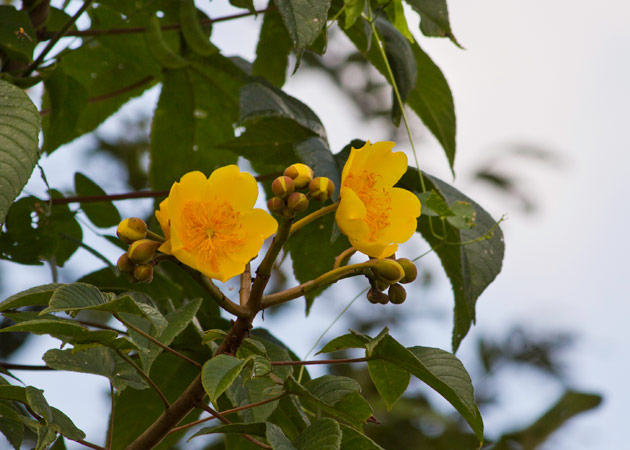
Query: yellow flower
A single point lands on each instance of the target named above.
(374, 215)
(211, 225)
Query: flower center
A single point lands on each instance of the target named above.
(370, 190)
(211, 231)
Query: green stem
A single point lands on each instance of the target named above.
(110, 433)
(318, 283)
(56, 38)
(263, 272)
(313, 216)
(156, 342)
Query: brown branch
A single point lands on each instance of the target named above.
(100, 98)
(219, 297)
(246, 286)
(110, 433)
(193, 395)
(323, 361)
(220, 417)
(88, 444)
(156, 342)
(10, 366)
(132, 30)
(228, 411)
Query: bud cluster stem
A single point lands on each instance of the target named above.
(313, 216)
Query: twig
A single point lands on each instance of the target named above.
(101, 326)
(313, 216)
(11, 366)
(144, 375)
(110, 433)
(176, 26)
(228, 411)
(56, 38)
(220, 417)
(215, 293)
(323, 361)
(346, 254)
(246, 286)
(156, 342)
(88, 444)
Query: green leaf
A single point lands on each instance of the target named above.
(197, 109)
(19, 130)
(67, 100)
(433, 18)
(11, 426)
(252, 391)
(442, 371)
(303, 20)
(272, 52)
(15, 393)
(470, 267)
(16, 45)
(247, 4)
(82, 296)
(434, 205)
(276, 351)
(219, 373)
(35, 399)
(277, 439)
(569, 405)
(46, 434)
(98, 361)
(430, 98)
(464, 215)
(255, 428)
(35, 296)
(354, 9)
(390, 380)
(325, 434)
(290, 417)
(65, 426)
(102, 214)
(315, 153)
(352, 439)
(136, 410)
(344, 342)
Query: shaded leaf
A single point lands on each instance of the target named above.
(16, 45)
(35, 399)
(11, 426)
(352, 439)
(470, 267)
(276, 437)
(255, 428)
(390, 380)
(219, 373)
(272, 52)
(65, 426)
(19, 152)
(290, 417)
(344, 342)
(102, 214)
(35, 296)
(324, 434)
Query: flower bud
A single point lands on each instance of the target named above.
(321, 189)
(142, 251)
(297, 202)
(411, 271)
(388, 270)
(283, 186)
(380, 285)
(300, 173)
(276, 205)
(375, 296)
(397, 294)
(131, 230)
(124, 264)
(143, 273)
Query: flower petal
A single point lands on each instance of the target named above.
(237, 188)
(403, 222)
(375, 249)
(378, 158)
(350, 215)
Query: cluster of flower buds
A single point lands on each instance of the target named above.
(138, 261)
(388, 276)
(288, 201)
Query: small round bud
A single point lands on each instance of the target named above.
(124, 264)
(297, 202)
(300, 173)
(397, 294)
(283, 186)
(388, 270)
(131, 230)
(142, 251)
(143, 273)
(375, 296)
(276, 205)
(381, 285)
(321, 188)
(411, 271)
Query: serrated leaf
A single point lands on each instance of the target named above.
(430, 98)
(82, 296)
(243, 393)
(16, 44)
(272, 52)
(19, 152)
(197, 109)
(219, 373)
(303, 20)
(277, 439)
(471, 267)
(35, 296)
(390, 380)
(343, 342)
(324, 434)
(98, 361)
(102, 214)
(433, 18)
(442, 371)
(352, 439)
